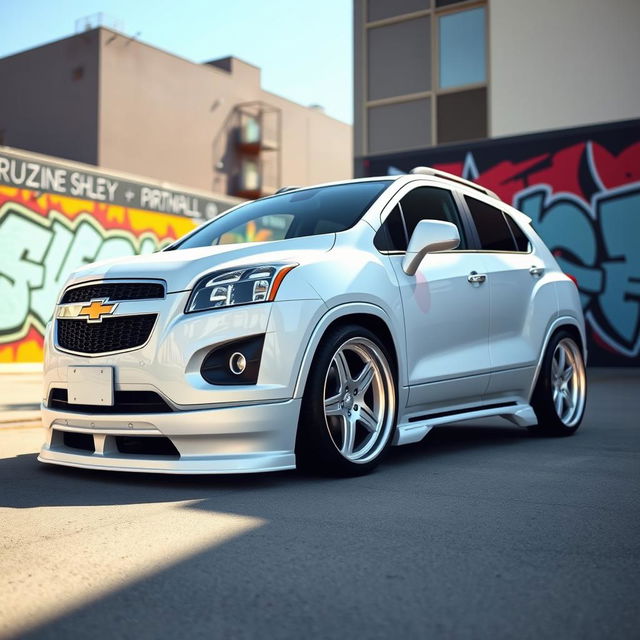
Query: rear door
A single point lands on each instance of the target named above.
(514, 275)
(446, 315)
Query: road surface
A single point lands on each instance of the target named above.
(479, 531)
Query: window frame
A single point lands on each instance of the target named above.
(466, 223)
(463, 202)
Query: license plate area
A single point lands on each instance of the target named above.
(90, 385)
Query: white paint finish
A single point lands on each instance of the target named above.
(562, 64)
(429, 236)
(518, 300)
(459, 344)
(409, 432)
(447, 321)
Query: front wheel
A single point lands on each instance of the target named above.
(560, 395)
(349, 404)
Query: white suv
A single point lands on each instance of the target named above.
(359, 315)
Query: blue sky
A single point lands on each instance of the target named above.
(304, 48)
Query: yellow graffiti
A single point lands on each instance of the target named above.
(43, 239)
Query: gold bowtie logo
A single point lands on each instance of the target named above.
(95, 311)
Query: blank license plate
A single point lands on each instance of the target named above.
(90, 385)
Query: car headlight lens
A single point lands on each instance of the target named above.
(232, 287)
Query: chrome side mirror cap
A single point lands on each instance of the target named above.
(429, 236)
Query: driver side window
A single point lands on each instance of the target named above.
(422, 203)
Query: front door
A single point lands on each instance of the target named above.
(446, 309)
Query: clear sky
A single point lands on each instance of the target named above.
(303, 47)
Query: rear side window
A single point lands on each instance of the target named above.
(492, 226)
(522, 242)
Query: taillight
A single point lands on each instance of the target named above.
(572, 278)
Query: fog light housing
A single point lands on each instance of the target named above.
(237, 363)
(234, 363)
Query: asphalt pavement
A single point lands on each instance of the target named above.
(480, 531)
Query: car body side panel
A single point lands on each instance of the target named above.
(447, 327)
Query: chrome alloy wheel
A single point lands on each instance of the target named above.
(568, 382)
(359, 400)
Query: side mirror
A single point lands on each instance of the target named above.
(427, 237)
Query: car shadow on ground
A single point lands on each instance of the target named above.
(443, 540)
(77, 487)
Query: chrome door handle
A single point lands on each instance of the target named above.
(476, 278)
(536, 271)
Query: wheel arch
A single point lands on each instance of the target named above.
(367, 315)
(564, 323)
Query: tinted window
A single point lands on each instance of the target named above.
(430, 203)
(492, 227)
(522, 242)
(294, 214)
(392, 236)
(423, 203)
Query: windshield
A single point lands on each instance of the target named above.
(307, 212)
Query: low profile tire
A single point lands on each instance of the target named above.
(349, 405)
(560, 395)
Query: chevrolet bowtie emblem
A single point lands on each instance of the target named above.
(95, 311)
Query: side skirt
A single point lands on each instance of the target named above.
(416, 429)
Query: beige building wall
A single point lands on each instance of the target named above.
(562, 63)
(49, 100)
(103, 98)
(164, 117)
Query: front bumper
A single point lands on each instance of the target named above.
(211, 428)
(240, 439)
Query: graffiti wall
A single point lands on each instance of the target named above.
(45, 233)
(581, 188)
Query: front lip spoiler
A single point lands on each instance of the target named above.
(239, 439)
(213, 465)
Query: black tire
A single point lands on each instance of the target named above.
(320, 438)
(548, 392)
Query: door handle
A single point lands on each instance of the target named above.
(476, 278)
(536, 271)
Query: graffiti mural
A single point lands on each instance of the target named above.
(581, 189)
(56, 216)
(45, 237)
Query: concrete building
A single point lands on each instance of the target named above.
(103, 98)
(434, 72)
(540, 102)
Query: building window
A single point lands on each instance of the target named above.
(462, 47)
(425, 73)
(405, 125)
(390, 52)
(250, 175)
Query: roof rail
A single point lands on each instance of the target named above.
(284, 189)
(429, 171)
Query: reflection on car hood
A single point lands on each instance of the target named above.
(181, 268)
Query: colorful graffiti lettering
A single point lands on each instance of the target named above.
(45, 237)
(581, 190)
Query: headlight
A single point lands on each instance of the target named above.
(242, 285)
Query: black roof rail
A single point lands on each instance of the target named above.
(285, 189)
(430, 171)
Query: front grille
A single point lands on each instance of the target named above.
(112, 334)
(114, 291)
(127, 402)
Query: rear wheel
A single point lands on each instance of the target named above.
(560, 395)
(349, 405)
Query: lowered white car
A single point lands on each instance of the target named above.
(316, 327)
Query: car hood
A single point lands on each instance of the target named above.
(181, 268)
